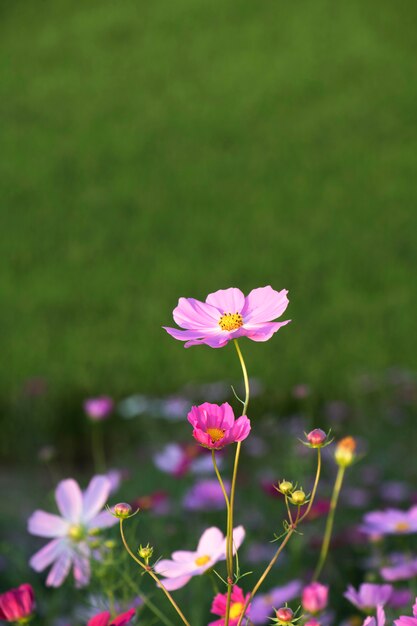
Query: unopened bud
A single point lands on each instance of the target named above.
(285, 487)
(145, 552)
(316, 438)
(284, 615)
(298, 497)
(345, 452)
(122, 510)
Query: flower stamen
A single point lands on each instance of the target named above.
(215, 434)
(231, 321)
(202, 560)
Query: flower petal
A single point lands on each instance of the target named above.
(103, 520)
(95, 497)
(262, 332)
(241, 428)
(46, 555)
(193, 314)
(264, 304)
(102, 619)
(124, 618)
(175, 583)
(69, 500)
(209, 541)
(43, 524)
(59, 570)
(216, 340)
(81, 569)
(229, 300)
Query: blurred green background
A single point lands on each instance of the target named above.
(171, 148)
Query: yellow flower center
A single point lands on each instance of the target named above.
(76, 532)
(402, 527)
(236, 610)
(231, 321)
(215, 434)
(202, 560)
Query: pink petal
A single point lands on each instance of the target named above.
(229, 300)
(46, 555)
(59, 570)
(217, 340)
(264, 305)
(262, 332)
(102, 619)
(183, 556)
(205, 440)
(175, 583)
(184, 335)
(43, 524)
(69, 500)
(124, 618)
(210, 541)
(173, 569)
(238, 537)
(193, 314)
(103, 520)
(81, 569)
(241, 428)
(95, 497)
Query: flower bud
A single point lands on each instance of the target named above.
(312, 622)
(345, 452)
(298, 497)
(316, 438)
(122, 510)
(284, 615)
(145, 552)
(285, 487)
(314, 597)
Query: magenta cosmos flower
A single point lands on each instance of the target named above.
(314, 597)
(98, 409)
(215, 426)
(227, 314)
(379, 620)
(237, 605)
(80, 513)
(17, 604)
(185, 564)
(390, 522)
(104, 619)
(405, 620)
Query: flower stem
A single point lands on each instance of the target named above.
(229, 536)
(329, 523)
(152, 574)
(292, 528)
(226, 499)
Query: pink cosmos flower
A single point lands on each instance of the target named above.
(405, 620)
(262, 604)
(17, 604)
(237, 605)
(80, 512)
(215, 426)
(206, 495)
(227, 314)
(369, 595)
(314, 597)
(400, 567)
(104, 619)
(391, 522)
(184, 564)
(98, 409)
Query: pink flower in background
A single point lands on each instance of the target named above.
(17, 604)
(262, 605)
(399, 567)
(314, 597)
(185, 564)
(215, 426)
(227, 314)
(390, 522)
(174, 459)
(405, 620)
(238, 600)
(104, 619)
(98, 409)
(206, 495)
(368, 595)
(80, 512)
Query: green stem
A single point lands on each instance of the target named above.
(229, 537)
(316, 482)
(152, 574)
(146, 600)
(329, 523)
(226, 498)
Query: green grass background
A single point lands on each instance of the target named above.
(157, 149)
